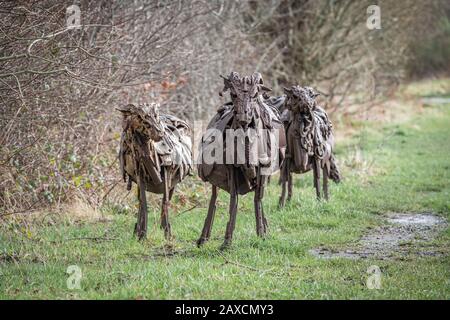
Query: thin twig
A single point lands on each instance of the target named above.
(243, 265)
(190, 209)
(88, 238)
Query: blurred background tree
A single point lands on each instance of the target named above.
(431, 55)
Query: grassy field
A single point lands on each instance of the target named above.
(388, 167)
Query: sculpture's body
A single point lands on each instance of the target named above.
(155, 153)
(247, 112)
(310, 141)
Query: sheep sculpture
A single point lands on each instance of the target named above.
(155, 153)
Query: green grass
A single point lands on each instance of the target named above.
(394, 168)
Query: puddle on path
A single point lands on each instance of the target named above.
(403, 234)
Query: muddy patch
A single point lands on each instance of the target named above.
(403, 234)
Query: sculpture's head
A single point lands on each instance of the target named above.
(143, 119)
(299, 99)
(244, 92)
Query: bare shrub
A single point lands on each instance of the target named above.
(59, 87)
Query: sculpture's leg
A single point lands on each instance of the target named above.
(264, 220)
(282, 201)
(233, 211)
(316, 170)
(135, 232)
(206, 232)
(265, 223)
(290, 182)
(141, 227)
(284, 180)
(171, 192)
(258, 206)
(325, 182)
(165, 225)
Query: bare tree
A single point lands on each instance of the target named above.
(59, 85)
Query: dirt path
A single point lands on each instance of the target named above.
(403, 234)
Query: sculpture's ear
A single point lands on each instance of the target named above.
(264, 88)
(257, 78)
(288, 91)
(156, 108)
(312, 93)
(126, 109)
(226, 85)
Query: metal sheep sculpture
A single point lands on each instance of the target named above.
(247, 111)
(310, 140)
(155, 153)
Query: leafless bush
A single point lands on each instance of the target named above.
(59, 87)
